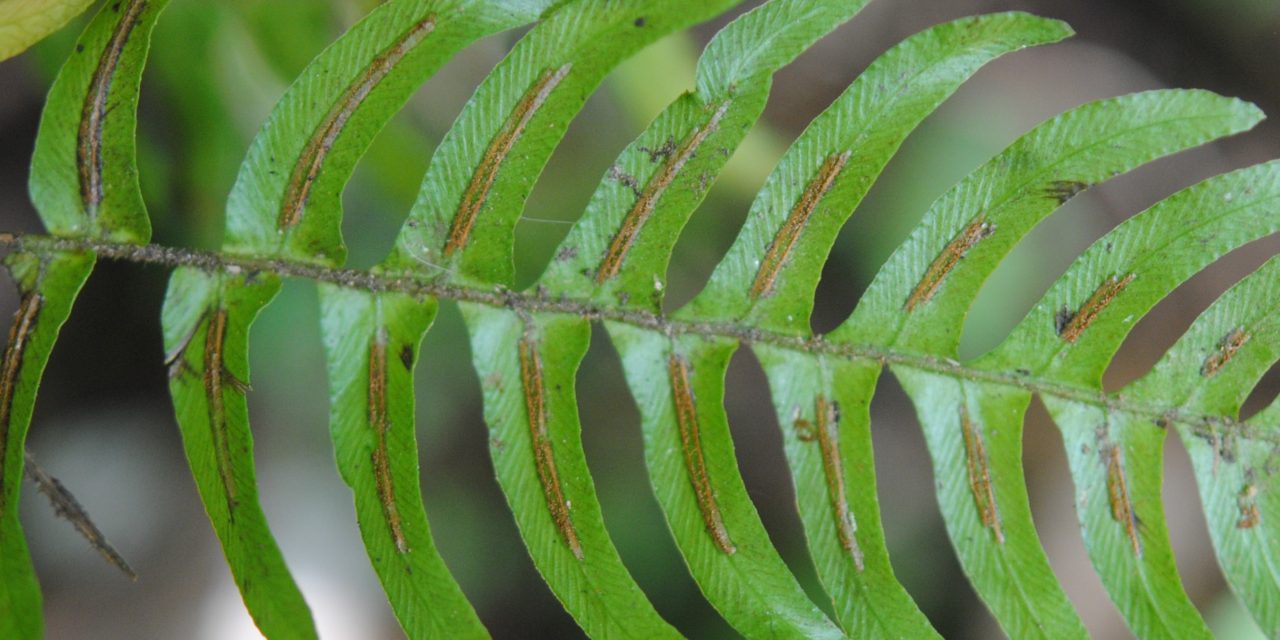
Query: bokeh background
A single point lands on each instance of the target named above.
(104, 425)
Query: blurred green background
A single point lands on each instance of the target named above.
(104, 425)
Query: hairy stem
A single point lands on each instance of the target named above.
(538, 302)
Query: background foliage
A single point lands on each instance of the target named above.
(216, 70)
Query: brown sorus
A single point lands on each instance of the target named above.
(486, 173)
(543, 456)
(787, 236)
(691, 445)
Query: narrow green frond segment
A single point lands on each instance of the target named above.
(1210, 372)
(462, 225)
(678, 384)
(206, 322)
(1074, 331)
(1117, 466)
(26, 22)
(371, 346)
(620, 248)
(772, 269)
(974, 434)
(824, 409)
(527, 367)
(48, 286)
(287, 199)
(920, 297)
(84, 175)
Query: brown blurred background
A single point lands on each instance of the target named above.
(104, 425)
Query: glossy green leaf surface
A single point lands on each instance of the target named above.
(371, 397)
(823, 406)
(620, 247)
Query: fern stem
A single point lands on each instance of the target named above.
(539, 302)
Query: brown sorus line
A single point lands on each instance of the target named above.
(780, 249)
(947, 260)
(1118, 496)
(543, 457)
(1089, 311)
(975, 455)
(652, 193)
(93, 113)
(312, 158)
(24, 323)
(1227, 349)
(486, 172)
(694, 462)
(827, 416)
(214, 383)
(380, 423)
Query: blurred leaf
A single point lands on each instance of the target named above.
(26, 22)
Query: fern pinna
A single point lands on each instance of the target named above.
(283, 220)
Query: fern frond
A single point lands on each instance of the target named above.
(284, 219)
